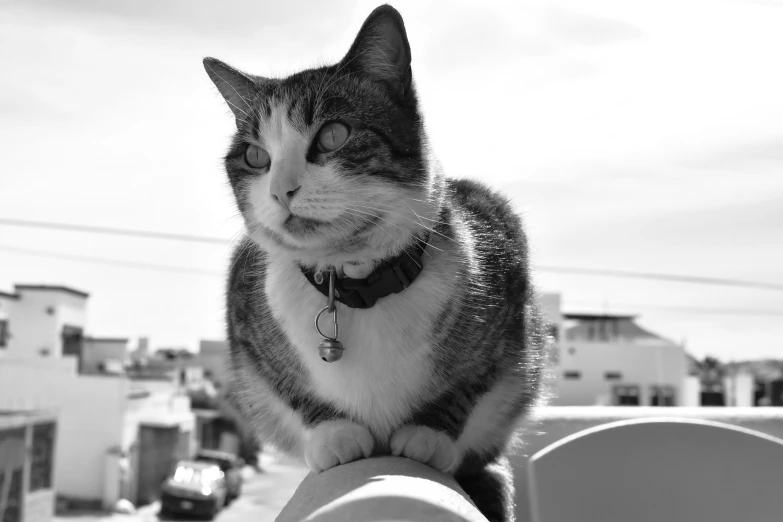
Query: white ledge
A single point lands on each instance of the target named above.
(382, 489)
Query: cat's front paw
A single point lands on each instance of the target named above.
(428, 446)
(337, 442)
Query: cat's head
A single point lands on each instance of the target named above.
(330, 164)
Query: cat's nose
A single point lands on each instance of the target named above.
(283, 190)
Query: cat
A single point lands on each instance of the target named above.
(443, 342)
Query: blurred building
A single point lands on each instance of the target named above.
(45, 320)
(212, 356)
(104, 355)
(26, 466)
(608, 359)
(117, 435)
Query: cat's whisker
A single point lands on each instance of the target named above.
(427, 243)
(399, 243)
(432, 230)
(392, 208)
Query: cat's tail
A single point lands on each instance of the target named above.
(491, 488)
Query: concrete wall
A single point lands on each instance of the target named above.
(90, 414)
(643, 365)
(34, 383)
(91, 422)
(553, 423)
(39, 506)
(33, 328)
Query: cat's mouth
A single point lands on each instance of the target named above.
(301, 225)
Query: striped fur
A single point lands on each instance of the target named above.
(441, 372)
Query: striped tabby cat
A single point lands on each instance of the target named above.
(331, 169)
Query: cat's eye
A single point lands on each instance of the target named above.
(256, 157)
(332, 136)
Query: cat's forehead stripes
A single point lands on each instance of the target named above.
(284, 110)
(283, 130)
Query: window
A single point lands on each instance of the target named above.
(3, 333)
(11, 443)
(572, 375)
(662, 395)
(613, 376)
(42, 456)
(590, 332)
(626, 395)
(73, 343)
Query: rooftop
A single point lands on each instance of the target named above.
(51, 288)
(594, 316)
(609, 328)
(106, 339)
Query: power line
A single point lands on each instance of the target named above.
(676, 278)
(113, 231)
(198, 271)
(662, 277)
(112, 262)
(679, 309)
(188, 270)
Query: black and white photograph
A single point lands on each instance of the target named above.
(355, 261)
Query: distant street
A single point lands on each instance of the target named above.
(263, 496)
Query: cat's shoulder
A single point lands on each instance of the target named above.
(484, 203)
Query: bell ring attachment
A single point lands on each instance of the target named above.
(330, 350)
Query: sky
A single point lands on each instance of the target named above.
(641, 136)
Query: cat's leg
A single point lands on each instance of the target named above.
(426, 445)
(336, 442)
(490, 485)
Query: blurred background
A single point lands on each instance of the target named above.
(642, 142)
(633, 137)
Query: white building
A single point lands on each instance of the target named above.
(606, 359)
(116, 437)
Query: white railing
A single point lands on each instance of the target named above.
(380, 489)
(387, 488)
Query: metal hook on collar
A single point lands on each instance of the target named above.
(330, 349)
(334, 321)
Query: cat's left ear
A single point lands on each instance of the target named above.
(381, 49)
(237, 88)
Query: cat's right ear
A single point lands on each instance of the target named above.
(381, 50)
(237, 88)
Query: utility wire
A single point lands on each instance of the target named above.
(662, 277)
(113, 231)
(198, 271)
(113, 262)
(678, 309)
(677, 278)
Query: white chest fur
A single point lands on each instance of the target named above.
(387, 363)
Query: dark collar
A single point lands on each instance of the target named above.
(390, 277)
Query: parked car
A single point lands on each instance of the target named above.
(195, 488)
(230, 465)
